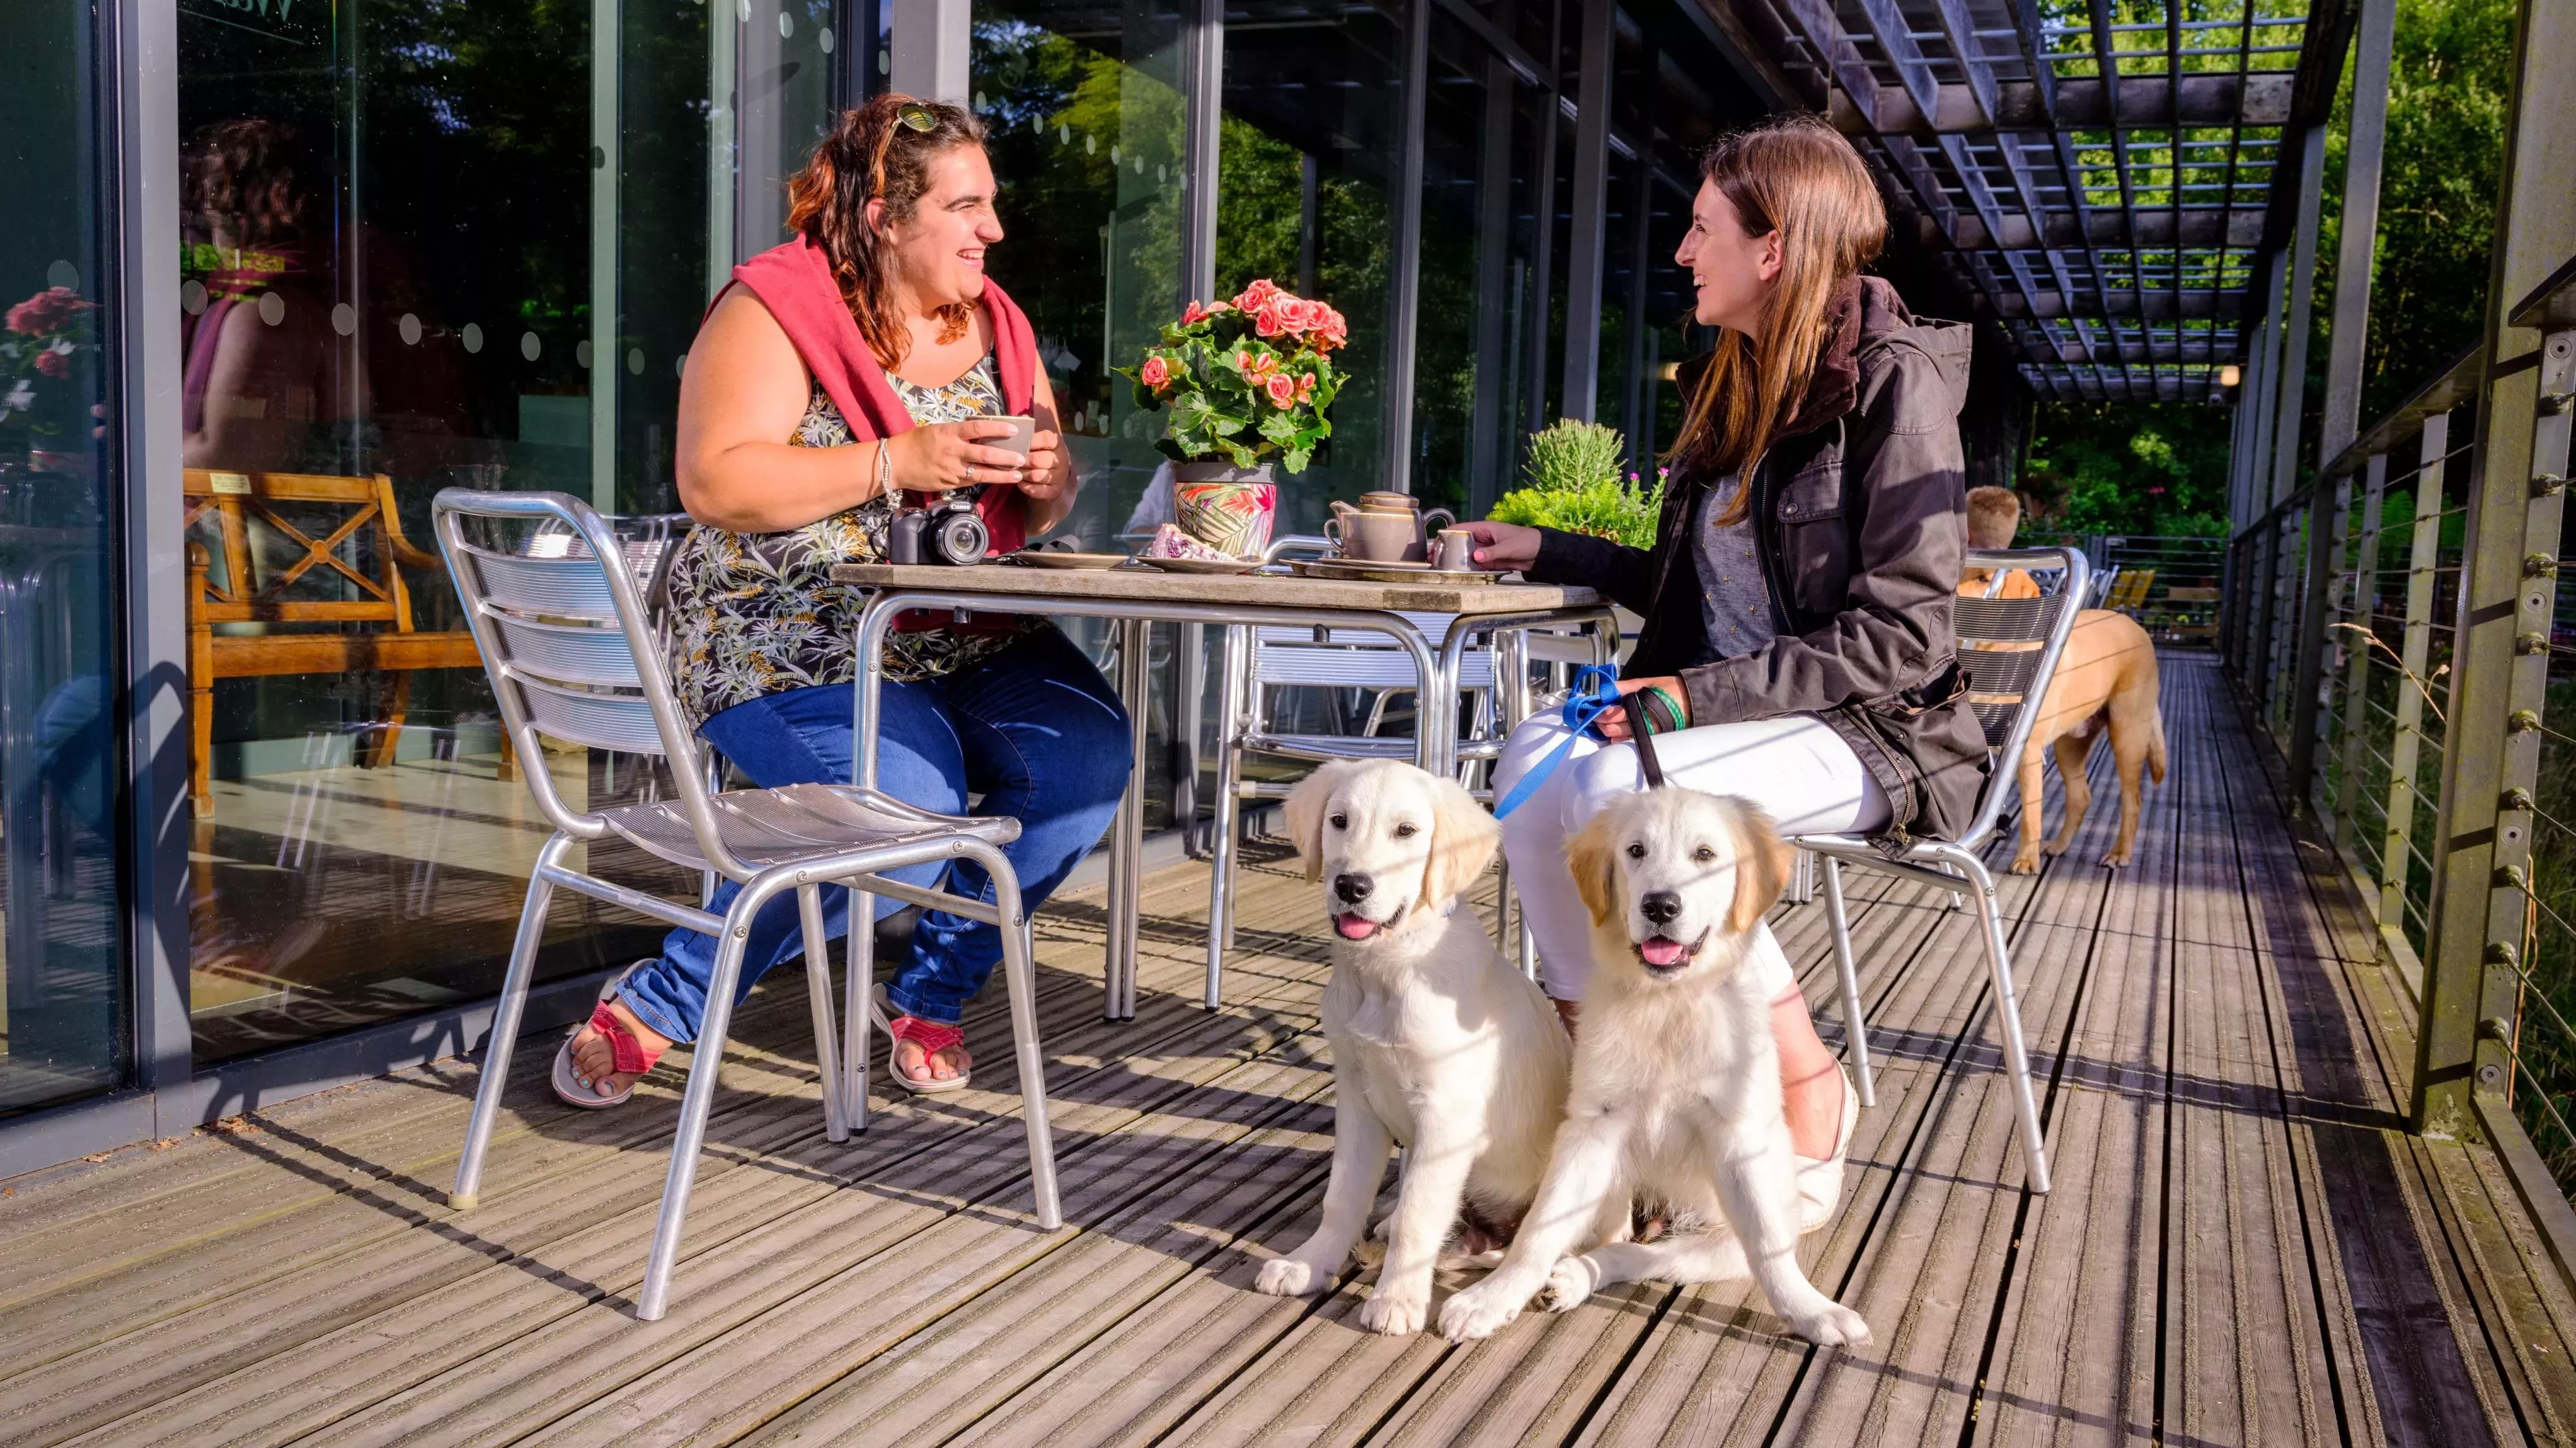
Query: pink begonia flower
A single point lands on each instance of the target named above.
(1156, 372)
(54, 364)
(1268, 321)
(1283, 393)
(47, 311)
(1194, 313)
(1306, 385)
(1256, 294)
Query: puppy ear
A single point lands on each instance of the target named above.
(1306, 804)
(1463, 841)
(1594, 860)
(1762, 865)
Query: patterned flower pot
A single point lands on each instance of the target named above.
(1227, 508)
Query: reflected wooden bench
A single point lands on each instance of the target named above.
(349, 576)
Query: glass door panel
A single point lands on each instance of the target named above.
(62, 964)
(388, 260)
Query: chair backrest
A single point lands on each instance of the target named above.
(1358, 658)
(2009, 648)
(571, 648)
(350, 570)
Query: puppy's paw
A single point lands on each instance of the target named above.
(1477, 1312)
(1570, 1284)
(2025, 862)
(1829, 1324)
(1369, 1252)
(1290, 1277)
(2115, 859)
(1397, 1313)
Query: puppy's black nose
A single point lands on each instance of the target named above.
(1661, 906)
(1352, 889)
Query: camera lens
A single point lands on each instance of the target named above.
(961, 538)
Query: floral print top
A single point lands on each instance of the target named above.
(757, 613)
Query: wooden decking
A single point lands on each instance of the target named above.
(2242, 1246)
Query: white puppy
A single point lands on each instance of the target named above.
(1676, 1095)
(1438, 1045)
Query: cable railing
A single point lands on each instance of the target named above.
(2404, 633)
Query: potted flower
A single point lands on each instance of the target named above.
(1573, 483)
(45, 334)
(1248, 382)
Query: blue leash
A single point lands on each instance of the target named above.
(1596, 692)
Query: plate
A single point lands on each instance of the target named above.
(1354, 571)
(1060, 558)
(1202, 565)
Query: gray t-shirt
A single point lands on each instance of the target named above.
(1734, 602)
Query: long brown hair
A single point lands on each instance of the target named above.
(880, 151)
(1797, 176)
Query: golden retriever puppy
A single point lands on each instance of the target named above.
(1439, 1046)
(1676, 1093)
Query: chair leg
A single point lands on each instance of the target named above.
(1019, 980)
(697, 1101)
(1229, 808)
(859, 979)
(818, 998)
(1855, 1025)
(2007, 1016)
(505, 1028)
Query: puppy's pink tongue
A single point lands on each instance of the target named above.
(1656, 950)
(1353, 927)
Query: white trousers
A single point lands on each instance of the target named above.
(1796, 768)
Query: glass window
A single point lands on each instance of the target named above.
(1083, 107)
(1306, 158)
(62, 963)
(1483, 127)
(388, 252)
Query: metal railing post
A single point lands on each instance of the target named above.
(2362, 611)
(2329, 516)
(2414, 656)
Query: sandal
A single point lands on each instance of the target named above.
(628, 1055)
(1820, 1182)
(931, 1036)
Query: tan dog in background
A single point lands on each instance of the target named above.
(2106, 676)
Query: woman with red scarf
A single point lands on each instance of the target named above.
(862, 363)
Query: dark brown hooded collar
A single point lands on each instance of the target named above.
(1835, 384)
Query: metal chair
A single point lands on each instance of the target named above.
(2009, 648)
(572, 654)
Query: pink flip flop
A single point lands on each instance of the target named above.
(628, 1056)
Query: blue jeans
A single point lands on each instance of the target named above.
(1035, 730)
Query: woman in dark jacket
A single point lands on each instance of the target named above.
(1797, 599)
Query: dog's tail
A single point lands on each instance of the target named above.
(2156, 745)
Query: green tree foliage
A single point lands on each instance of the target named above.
(2115, 467)
(2161, 467)
(2448, 75)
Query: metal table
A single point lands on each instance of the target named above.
(1133, 599)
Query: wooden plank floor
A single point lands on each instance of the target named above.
(2242, 1245)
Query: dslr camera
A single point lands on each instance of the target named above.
(943, 531)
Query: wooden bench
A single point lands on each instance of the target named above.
(349, 576)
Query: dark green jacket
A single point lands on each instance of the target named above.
(1861, 506)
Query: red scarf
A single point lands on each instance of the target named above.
(794, 281)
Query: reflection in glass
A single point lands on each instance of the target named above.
(1083, 107)
(1306, 160)
(385, 256)
(62, 992)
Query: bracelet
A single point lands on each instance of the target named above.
(885, 468)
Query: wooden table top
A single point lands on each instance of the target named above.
(1153, 585)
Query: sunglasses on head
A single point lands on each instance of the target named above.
(917, 116)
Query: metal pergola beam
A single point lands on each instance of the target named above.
(2202, 99)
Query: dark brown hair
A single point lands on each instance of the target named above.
(873, 153)
(1795, 175)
